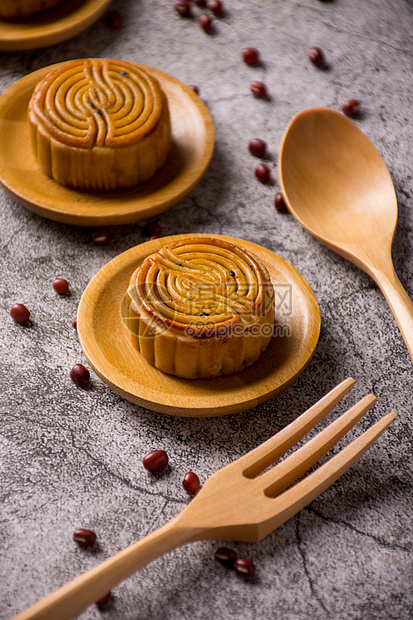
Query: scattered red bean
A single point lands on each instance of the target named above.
(262, 172)
(190, 482)
(114, 19)
(258, 89)
(280, 203)
(205, 22)
(200, 2)
(61, 286)
(216, 6)
(19, 313)
(250, 56)
(226, 556)
(183, 8)
(155, 460)
(257, 147)
(351, 107)
(194, 88)
(152, 228)
(316, 56)
(80, 375)
(102, 236)
(152, 237)
(104, 600)
(244, 567)
(83, 537)
(74, 323)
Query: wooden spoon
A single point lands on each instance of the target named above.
(337, 186)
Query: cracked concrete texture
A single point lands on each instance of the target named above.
(72, 457)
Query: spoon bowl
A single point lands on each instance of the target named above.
(338, 187)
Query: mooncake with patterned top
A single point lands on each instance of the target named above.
(100, 124)
(200, 308)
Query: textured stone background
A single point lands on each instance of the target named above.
(72, 457)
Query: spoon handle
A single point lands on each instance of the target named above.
(400, 303)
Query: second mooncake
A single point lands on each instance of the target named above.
(100, 124)
(201, 308)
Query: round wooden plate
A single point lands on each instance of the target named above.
(58, 24)
(193, 139)
(107, 344)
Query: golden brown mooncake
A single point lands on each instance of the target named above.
(99, 124)
(200, 308)
(13, 9)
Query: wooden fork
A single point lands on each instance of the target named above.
(238, 502)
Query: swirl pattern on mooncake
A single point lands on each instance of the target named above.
(201, 308)
(100, 124)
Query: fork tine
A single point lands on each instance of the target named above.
(294, 499)
(282, 475)
(265, 454)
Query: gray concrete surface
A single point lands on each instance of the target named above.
(72, 457)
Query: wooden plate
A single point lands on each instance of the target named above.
(107, 344)
(193, 144)
(59, 24)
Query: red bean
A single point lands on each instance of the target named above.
(19, 313)
(190, 483)
(152, 228)
(61, 286)
(80, 375)
(257, 147)
(351, 107)
(280, 203)
(262, 172)
(258, 89)
(250, 56)
(194, 88)
(83, 537)
(200, 2)
(226, 556)
(74, 323)
(183, 8)
(316, 56)
(244, 567)
(216, 6)
(102, 236)
(205, 22)
(155, 460)
(104, 600)
(114, 19)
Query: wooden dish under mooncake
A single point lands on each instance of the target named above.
(193, 139)
(67, 19)
(201, 308)
(100, 124)
(108, 347)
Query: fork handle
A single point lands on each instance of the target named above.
(72, 598)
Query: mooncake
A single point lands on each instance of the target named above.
(200, 308)
(100, 124)
(13, 9)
